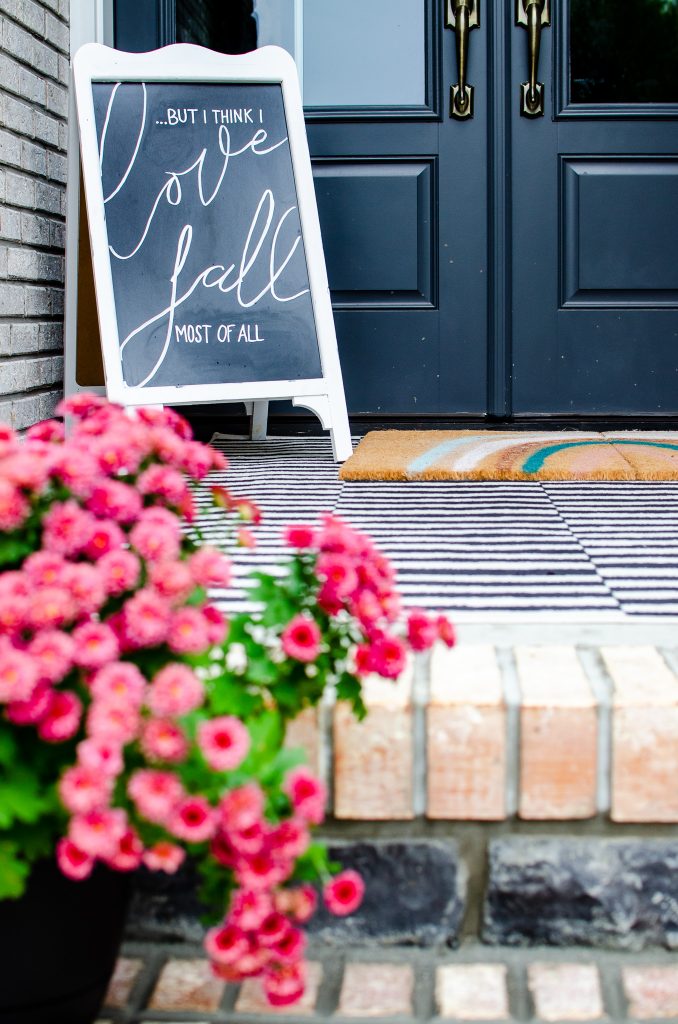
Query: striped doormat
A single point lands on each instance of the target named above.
(513, 455)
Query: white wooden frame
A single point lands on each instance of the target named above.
(192, 64)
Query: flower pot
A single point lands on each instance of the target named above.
(58, 946)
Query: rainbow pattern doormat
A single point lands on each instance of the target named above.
(513, 455)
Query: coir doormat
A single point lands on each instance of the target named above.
(513, 455)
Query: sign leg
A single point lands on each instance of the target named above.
(259, 421)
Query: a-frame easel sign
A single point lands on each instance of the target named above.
(208, 263)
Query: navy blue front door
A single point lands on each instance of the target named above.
(498, 265)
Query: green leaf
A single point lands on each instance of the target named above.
(14, 872)
(13, 548)
(229, 697)
(22, 798)
(350, 689)
(7, 745)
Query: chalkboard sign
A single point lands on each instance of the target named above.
(208, 266)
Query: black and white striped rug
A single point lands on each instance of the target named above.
(607, 551)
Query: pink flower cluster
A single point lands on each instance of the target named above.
(356, 578)
(260, 934)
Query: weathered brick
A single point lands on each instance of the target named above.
(33, 158)
(51, 335)
(19, 42)
(57, 234)
(20, 190)
(38, 301)
(376, 990)
(46, 128)
(124, 976)
(644, 735)
(45, 59)
(373, 759)
(559, 735)
(10, 224)
(13, 376)
(652, 991)
(57, 99)
(47, 197)
(17, 115)
(27, 12)
(35, 266)
(472, 992)
(10, 149)
(9, 73)
(12, 299)
(251, 998)
(56, 301)
(5, 339)
(4, 263)
(35, 230)
(25, 337)
(565, 991)
(57, 166)
(56, 32)
(466, 735)
(32, 87)
(187, 985)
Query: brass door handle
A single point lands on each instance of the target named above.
(532, 15)
(462, 16)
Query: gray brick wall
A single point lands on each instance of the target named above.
(34, 51)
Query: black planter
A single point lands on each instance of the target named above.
(58, 946)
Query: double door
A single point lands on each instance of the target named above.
(498, 193)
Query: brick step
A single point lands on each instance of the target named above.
(154, 983)
(485, 733)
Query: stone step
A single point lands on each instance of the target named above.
(545, 732)
(154, 983)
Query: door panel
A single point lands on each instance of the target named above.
(501, 265)
(595, 213)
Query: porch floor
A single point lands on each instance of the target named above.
(514, 553)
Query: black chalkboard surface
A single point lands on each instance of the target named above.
(208, 264)
(205, 243)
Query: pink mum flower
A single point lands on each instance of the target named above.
(82, 789)
(215, 622)
(104, 536)
(44, 568)
(193, 820)
(25, 469)
(389, 657)
(175, 690)
(164, 482)
(62, 719)
(113, 722)
(112, 499)
(100, 757)
(301, 638)
(210, 568)
(18, 674)
(146, 619)
(120, 571)
(290, 838)
(172, 580)
(307, 794)
(242, 807)
(52, 652)
(290, 947)
(119, 682)
(76, 468)
(446, 631)
(250, 909)
(422, 631)
(72, 861)
(95, 645)
(299, 902)
(226, 944)
(14, 506)
(188, 632)
(300, 536)
(164, 856)
(47, 430)
(86, 585)
(344, 893)
(98, 832)
(339, 574)
(285, 984)
(156, 794)
(224, 742)
(66, 528)
(272, 929)
(50, 607)
(261, 871)
(129, 853)
(33, 710)
(156, 537)
(163, 740)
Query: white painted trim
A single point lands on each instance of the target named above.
(187, 63)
